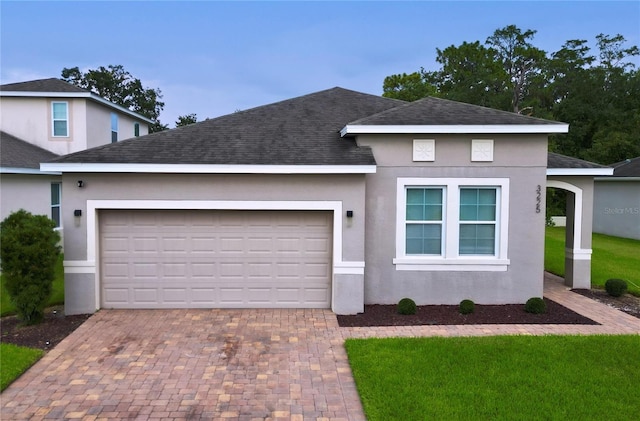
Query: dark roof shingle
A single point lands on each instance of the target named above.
(16, 153)
(556, 160)
(299, 131)
(42, 85)
(437, 111)
(627, 168)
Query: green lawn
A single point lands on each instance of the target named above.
(15, 360)
(498, 378)
(613, 257)
(57, 296)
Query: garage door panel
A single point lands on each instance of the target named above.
(181, 259)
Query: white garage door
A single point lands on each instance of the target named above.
(208, 259)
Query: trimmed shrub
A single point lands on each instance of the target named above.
(467, 307)
(615, 287)
(29, 252)
(407, 306)
(535, 305)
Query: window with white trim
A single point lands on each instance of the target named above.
(56, 192)
(60, 119)
(452, 224)
(114, 127)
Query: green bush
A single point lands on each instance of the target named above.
(535, 305)
(615, 287)
(467, 307)
(407, 306)
(29, 252)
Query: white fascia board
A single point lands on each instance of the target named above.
(456, 128)
(207, 169)
(88, 95)
(617, 178)
(33, 171)
(580, 171)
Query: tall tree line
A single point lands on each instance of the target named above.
(596, 92)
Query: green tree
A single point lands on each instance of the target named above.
(117, 85)
(29, 251)
(407, 87)
(185, 120)
(520, 60)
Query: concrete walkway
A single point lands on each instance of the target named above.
(230, 364)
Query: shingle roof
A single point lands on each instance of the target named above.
(556, 160)
(299, 131)
(437, 111)
(16, 153)
(41, 85)
(627, 168)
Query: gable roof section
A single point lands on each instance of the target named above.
(57, 88)
(558, 164)
(436, 115)
(18, 156)
(303, 131)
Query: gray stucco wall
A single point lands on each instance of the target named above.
(616, 208)
(521, 159)
(24, 191)
(347, 189)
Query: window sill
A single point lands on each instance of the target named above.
(464, 264)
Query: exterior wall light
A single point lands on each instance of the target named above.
(80, 184)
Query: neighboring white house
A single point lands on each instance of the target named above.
(42, 119)
(616, 201)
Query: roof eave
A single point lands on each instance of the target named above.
(30, 171)
(355, 129)
(205, 168)
(580, 171)
(88, 95)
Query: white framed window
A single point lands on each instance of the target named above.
(452, 224)
(60, 119)
(114, 127)
(56, 193)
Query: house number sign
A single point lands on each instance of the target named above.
(538, 198)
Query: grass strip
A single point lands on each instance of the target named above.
(613, 257)
(498, 378)
(15, 360)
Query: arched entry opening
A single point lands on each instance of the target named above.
(577, 260)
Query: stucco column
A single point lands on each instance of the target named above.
(579, 227)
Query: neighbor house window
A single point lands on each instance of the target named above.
(55, 203)
(114, 127)
(60, 119)
(136, 129)
(452, 224)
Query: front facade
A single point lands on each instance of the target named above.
(41, 119)
(334, 200)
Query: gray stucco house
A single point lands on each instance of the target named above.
(616, 203)
(334, 199)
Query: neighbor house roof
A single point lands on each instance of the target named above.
(303, 131)
(56, 88)
(627, 168)
(18, 156)
(558, 164)
(436, 115)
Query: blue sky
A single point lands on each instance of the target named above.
(213, 58)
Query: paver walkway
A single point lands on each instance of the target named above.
(230, 364)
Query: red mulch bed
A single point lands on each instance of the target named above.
(387, 315)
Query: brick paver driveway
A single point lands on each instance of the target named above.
(192, 364)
